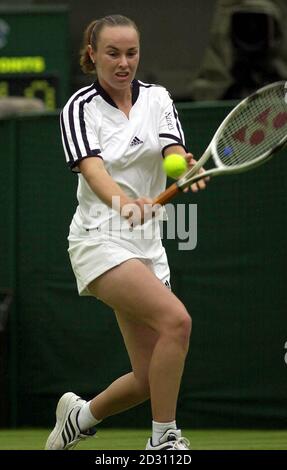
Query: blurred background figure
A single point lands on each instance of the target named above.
(19, 105)
(248, 49)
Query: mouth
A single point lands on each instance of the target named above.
(122, 75)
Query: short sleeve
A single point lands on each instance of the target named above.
(170, 130)
(78, 129)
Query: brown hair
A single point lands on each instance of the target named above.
(91, 36)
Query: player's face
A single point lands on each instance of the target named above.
(117, 56)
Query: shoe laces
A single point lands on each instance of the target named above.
(180, 443)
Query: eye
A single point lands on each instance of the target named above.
(132, 53)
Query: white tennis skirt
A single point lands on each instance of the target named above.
(92, 253)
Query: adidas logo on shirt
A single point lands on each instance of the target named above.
(135, 141)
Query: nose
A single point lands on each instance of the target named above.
(123, 61)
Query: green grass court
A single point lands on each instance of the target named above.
(123, 439)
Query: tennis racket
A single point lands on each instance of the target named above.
(251, 134)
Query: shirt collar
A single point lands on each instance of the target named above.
(108, 99)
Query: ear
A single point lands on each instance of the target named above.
(91, 53)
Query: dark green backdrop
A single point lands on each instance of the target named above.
(233, 283)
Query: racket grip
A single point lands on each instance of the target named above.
(166, 195)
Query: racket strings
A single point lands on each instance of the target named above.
(258, 126)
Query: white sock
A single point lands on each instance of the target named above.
(158, 429)
(86, 419)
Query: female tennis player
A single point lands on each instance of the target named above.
(115, 134)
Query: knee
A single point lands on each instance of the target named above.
(180, 327)
(183, 327)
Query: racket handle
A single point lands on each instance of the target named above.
(168, 194)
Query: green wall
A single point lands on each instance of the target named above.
(233, 284)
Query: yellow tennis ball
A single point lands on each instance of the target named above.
(174, 165)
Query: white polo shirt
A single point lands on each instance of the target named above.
(131, 148)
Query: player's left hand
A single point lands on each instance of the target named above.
(201, 184)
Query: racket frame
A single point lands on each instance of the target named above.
(190, 176)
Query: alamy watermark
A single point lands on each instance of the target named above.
(181, 225)
(172, 222)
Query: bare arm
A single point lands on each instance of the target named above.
(175, 149)
(102, 183)
(106, 189)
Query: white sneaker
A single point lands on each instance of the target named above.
(170, 440)
(66, 434)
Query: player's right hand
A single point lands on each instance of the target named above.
(138, 211)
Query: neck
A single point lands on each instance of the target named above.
(118, 96)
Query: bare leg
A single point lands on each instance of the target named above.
(122, 394)
(133, 388)
(143, 300)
